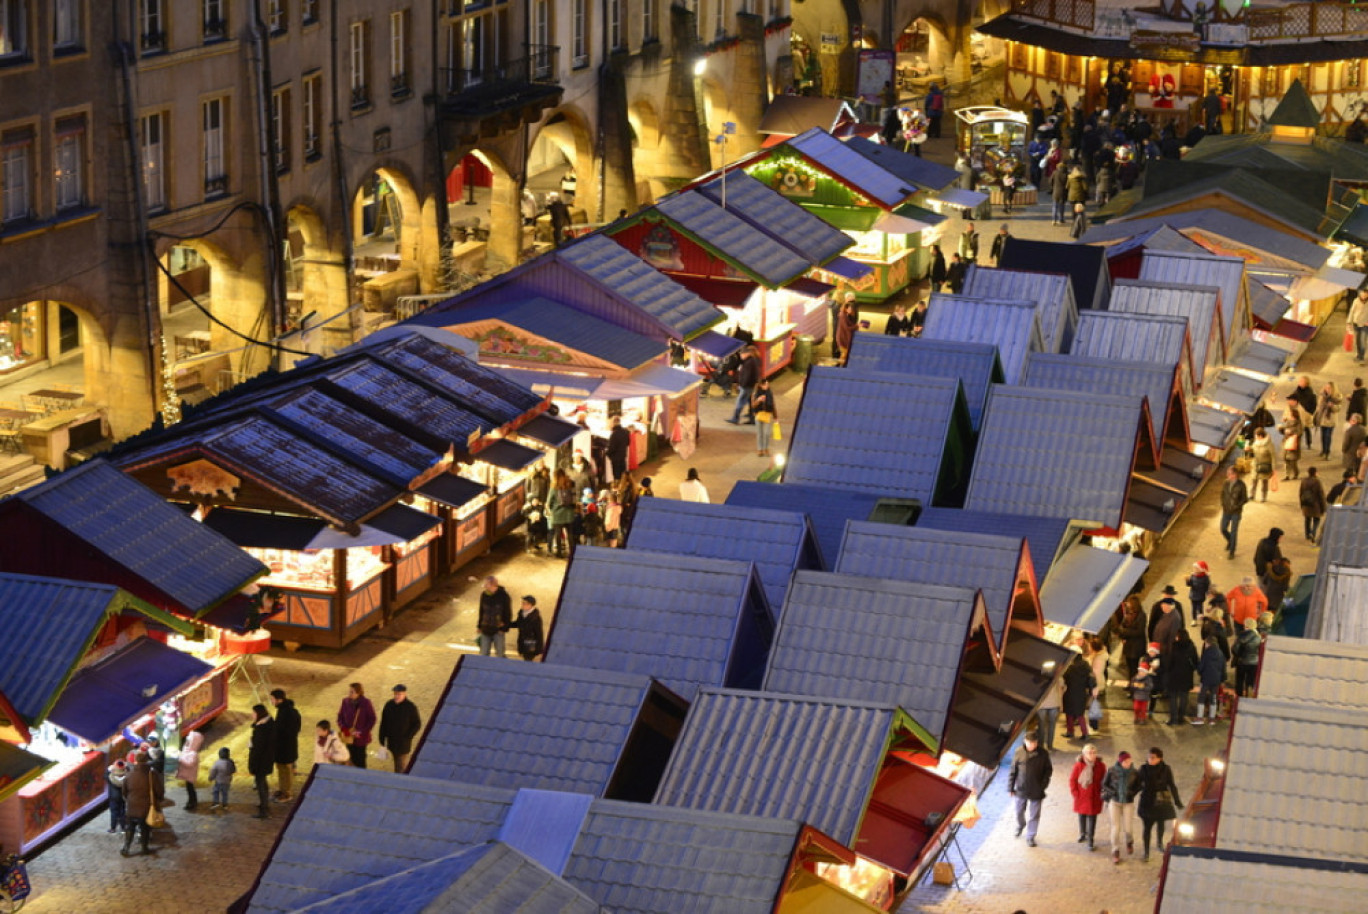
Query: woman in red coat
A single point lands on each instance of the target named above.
(1085, 783)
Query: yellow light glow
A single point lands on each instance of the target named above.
(700, 66)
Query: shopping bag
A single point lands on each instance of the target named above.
(1349, 340)
(381, 754)
(775, 432)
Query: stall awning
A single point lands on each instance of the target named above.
(812, 288)
(1324, 283)
(733, 293)
(648, 382)
(958, 196)
(551, 431)
(893, 224)
(506, 455)
(1237, 391)
(1086, 586)
(452, 491)
(897, 828)
(231, 614)
(1151, 507)
(1210, 426)
(717, 345)
(1294, 330)
(264, 531)
(565, 386)
(102, 699)
(17, 768)
(396, 524)
(1262, 358)
(846, 268)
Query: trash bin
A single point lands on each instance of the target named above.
(802, 354)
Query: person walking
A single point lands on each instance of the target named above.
(1027, 783)
(1246, 649)
(355, 721)
(328, 749)
(934, 106)
(1120, 787)
(1085, 784)
(1210, 674)
(1198, 585)
(748, 373)
(261, 757)
(494, 617)
(1291, 429)
(619, 444)
(1358, 323)
(1354, 435)
(999, 242)
(1179, 666)
(1047, 715)
(1312, 499)
(288, 725)
(1080, 221)
(1234, 496)
(1059, 194)
(400, 724)
(143, 790)
(969, 243)
(955, 276)
(187, 768)
(1266, 550)
(1078, 690)
(1305, 398)
(1159, 801)
(562, 505)
(531, 635)
(692, 488)
(765, 416)
(221, 776)
(1327, 409)
(115, 775)
(1276, 582)
(1261, 452)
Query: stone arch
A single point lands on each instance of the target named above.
(646, 148)
(567, 132)
(372, 219)
(502, 232)
(316, 279)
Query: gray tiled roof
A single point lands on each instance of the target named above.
(1051, 292)
(1085, 264)
(1227, 273)
(1057, 453)
(875, 432)
(1159, 236)
(1012, 326)
(827, 509)
(913, 169)
(1045, 536)
(948, 558)
(685, 621)
(884, 188)
(812, 237)
(1107, 376)
(862, 638)
(1343, 602)
(757, 252)
(976, 365)
(1221, 225)
(1297, 669)
(776, 541)
(120, 518)
(783, 756)
(486, 879)
(481, 387)
(1297, 771)
(354, 825)
(649, 859)
(1134, 338)
(1344, 541)
(1199, 305)
(569, 730)
(1204, 880)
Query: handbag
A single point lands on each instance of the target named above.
(764, 415)
(155, 817)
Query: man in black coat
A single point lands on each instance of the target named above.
(619, 443)
(261, 757)
(1177, 669)
(1306, 399)
(288, 725)
(399, 726)
(1267, 550)
(747, 376)
(495, 616)
(1031, 770)
(957, 273)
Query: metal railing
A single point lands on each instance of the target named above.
(1078, 14)
(1307, 20)
(539, 66)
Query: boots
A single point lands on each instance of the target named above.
(146, 839)
(192, 798)
(128, 842)
(262, 813)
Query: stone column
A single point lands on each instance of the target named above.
(749, 90)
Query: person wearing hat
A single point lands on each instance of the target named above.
(1166, 619)
(1030, 776)
(114, 779)
(531, 636)
(1198, 585)
(1142, 687)
(399, 726)
(1119, 790)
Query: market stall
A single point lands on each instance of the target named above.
(993, 142)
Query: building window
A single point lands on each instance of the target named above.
(280, 126)
(648, 20)
(472, 50)
(360, 64)
(154, 161)
(615, 25)
(69, 163)
(541, 38)
(16, 177)
(153, 27)
(309, 11)
(579, 34)
(720, 26)
(14, 16)
(313, 117)
(66, 25)
(215, 21)
(215, 166)
(399, 49)
(277, 17)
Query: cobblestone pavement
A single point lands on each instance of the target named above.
(203, 861)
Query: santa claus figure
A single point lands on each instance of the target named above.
(1162, 89)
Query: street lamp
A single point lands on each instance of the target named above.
(728, 129)
(700, 66)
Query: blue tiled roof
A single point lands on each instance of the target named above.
(486, 391)
(1051, 292)
(864, 638)
(776, 541)
(409, 402)
(770, 211)
(913, 169)
(976, 365)
(781, 756)
(686, 621)
(570, 727)
(1044, 535)
(134, 527)
(561, 324)
(1198, 305)
(883, 187)
(1011, 326)
(50, 623)
(827, 509)
(1133, 338)
(755, 251)
(1055, 453)
(1107, 376)
(877, 432)
(1226, 273)
(622, 273)
(946, 558)
(395, 456)
(486, 879)
(649, 859)
(354, 826)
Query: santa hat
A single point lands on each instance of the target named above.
(1201, 566)
(1154, 647)
(1144, 665)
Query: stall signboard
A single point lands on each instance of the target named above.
(1166, 45)
(876, 69)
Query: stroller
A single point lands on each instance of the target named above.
(721, 372)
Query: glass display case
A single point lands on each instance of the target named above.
(994, 140)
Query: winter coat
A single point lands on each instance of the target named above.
(222, 771)
(1078, 188)
(1030, 773)
(1247, 648)
(288, 725)
(1133, 635)
(531, 634)
(1078, 686)
(1059, 183)
(331, 752)
(1142, 687)
(187, 766)
(1087, 801)
(1180, 665)
(1153, 780)
(561, 504)
(1354, 435)
(1211, 668)
(1311, 497)
(356, 718)
(114, 781)
(748, 375)
(261, 748)
(142, 783)
(496, 609)
(399, 725)
(1198, 585)
(1157, 615)
(1216, 631)
(1264, 553)
(1327, 408)
(1246, 606)
(1121, 785)
(1261, 450)
(1234, 495)
(1276, 582)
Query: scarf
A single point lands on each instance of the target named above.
(1085, 778)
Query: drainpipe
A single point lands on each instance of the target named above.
(443, 251)
(600, 148)
(270, 188)
(339, 169)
